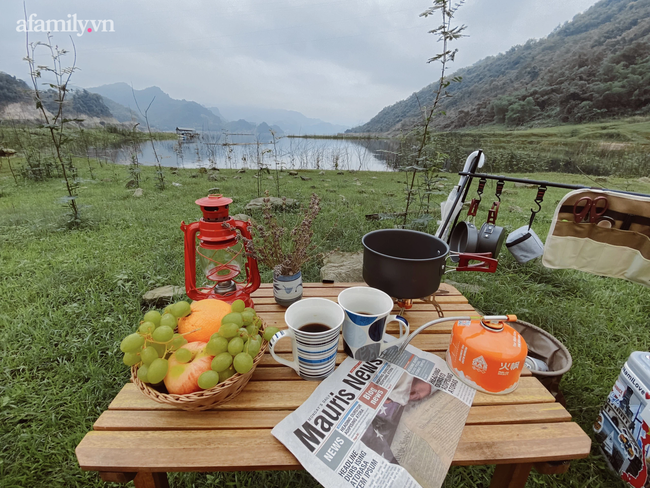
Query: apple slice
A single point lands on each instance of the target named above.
(183, 378)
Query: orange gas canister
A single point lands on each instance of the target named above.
(487, 354)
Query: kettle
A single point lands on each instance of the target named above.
(487, 354)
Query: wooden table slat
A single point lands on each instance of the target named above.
(257, 449)
(267, 395)
(268, 305)
(243, 419)
(333, 289)
(517, 414)
(498, 444)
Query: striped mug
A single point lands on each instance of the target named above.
(314, 329)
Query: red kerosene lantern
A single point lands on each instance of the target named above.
(228, 274)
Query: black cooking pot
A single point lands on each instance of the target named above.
(491, 236)
(490, 239)
(409, 264)
(464, 238)
(403, 263)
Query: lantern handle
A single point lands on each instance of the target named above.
(251, 264)
(190, 231)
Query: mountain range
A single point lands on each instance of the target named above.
(594, 67)
(116, 103)
(167, 113)
(290, 121)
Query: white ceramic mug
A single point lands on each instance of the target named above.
(366, 316)
(314, 352)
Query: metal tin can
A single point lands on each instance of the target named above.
(536, 364)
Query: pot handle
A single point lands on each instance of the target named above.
(493, 213)
(487, 263)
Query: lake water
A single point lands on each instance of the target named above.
(218, 150)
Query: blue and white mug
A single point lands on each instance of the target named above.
(366, 316)
(314, 330)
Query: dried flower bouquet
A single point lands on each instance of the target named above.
(281, 250)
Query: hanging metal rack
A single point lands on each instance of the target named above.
(484, 176)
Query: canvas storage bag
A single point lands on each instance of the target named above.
(622, 251)
(524, 244)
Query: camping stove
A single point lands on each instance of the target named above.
(407, 303)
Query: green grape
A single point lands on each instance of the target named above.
(157, 370)
(180, 309)
(160, 349)
(183, 355)
(252, 330)
(208, 379)
(152, 316)
(251, 310)
(242, 363)
(177, 342)
(132, 343)
(224, 375)
(148, 354)
(142, 373)
(221, 362)
(228, 330)
(238, 306)
(247, 317)
(235, 346)
(216, 345)
(254, 345)
(146, 328)
(163, 334)
(131, 358)
(269, 332)
(169, 320)
(234, 318)
(243, 333)
(167, 309)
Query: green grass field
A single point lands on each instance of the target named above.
(631, 130)
(69, 296)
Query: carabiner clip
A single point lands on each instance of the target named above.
(500, 185)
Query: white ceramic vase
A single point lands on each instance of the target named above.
(287, 289)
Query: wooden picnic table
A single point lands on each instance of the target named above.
(138, 438)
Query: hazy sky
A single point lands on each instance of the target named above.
(338, 60)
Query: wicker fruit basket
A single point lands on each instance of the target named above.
(204, 399)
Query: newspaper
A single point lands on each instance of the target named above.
(395, 421)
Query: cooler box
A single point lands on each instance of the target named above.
(623, 422)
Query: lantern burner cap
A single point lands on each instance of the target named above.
(224, 287)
